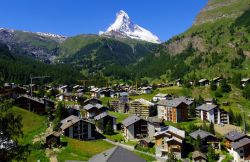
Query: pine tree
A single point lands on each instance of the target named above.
(211, 128)
(212, 156)
(198, 144)
(109, 128)
(213, 86)
(11, 130)
(171, 157)
(231, 116)
(225, 88)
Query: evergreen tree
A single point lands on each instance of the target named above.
(109, 128)
(171, 157)
(199, 101)
(231, 116)
(246, 92)
(213, 86)
(192, 111)
(225, 87)
(10, 133)
(212, 156)
(198, 144)
(204, 126)
(211, 128)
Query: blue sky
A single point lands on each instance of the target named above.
(165, 18)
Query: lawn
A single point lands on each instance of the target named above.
(120, 116)
(33, 124)
(81, 150)
(146, 157)
(117, 137)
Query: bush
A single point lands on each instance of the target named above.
(246, 92)
(218, 94)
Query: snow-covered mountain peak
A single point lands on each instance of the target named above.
(124, 27)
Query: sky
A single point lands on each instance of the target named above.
(164, 18)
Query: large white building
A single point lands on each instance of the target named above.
(212, 113)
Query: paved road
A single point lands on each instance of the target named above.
(132, 148)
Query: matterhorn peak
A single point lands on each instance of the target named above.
(125, 28)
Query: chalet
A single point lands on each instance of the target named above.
(199, 157)
(93, 110)
(209, 101)
(66, 97)
(79, 92)
(186, 100)
(74, 110)
(203, 82)
(95, 92)
(12, 91)
(154, 125)
(63, 89)
(245, 81)
(232, 137)
(75, 127)
(172, 110)
(53, 139)
(34, 104)
(145, 90)
(103, 119)
(107, 92)
(142, 108)
(116, 154)
(134, 127)
(161, 96)
(179, 82)
(92, 101)
(212, 113)
(121, 105)
(206, 139)
(217, 80)
(238, 145)
(169, 139)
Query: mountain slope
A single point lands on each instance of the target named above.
(37, 45)
(123, 27)
(94, 53)
(219, 45)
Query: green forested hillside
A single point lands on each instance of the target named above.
(16, 68)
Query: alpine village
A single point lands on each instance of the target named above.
(125, 96)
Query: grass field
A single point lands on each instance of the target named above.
(33, 124)
(81, 150)
(120, 116)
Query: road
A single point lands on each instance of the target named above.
(132, 148)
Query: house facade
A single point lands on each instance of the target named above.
(212, 113)
(142, 108)
(103, 119)
(77, 128)
(169, 139)
(134, 127)
(172, 110)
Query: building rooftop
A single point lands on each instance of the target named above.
(145, 102)
(206, 107)
(102, 115)
(171, 129)
(234, 135)
(130, 120)
(203, 134)
(241, 143)
(90, 106)
(116, 154)
(170, 103)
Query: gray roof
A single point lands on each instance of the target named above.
(90, 106)
(130, 120)
(198, 154)
(69, 121)
(102, 115)
(240, 143)
(234, 135)
(186, 100)
(116, 154)
(203, 134)
(170, 103)
(206, 107)
(154, 120)
(171, 129)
